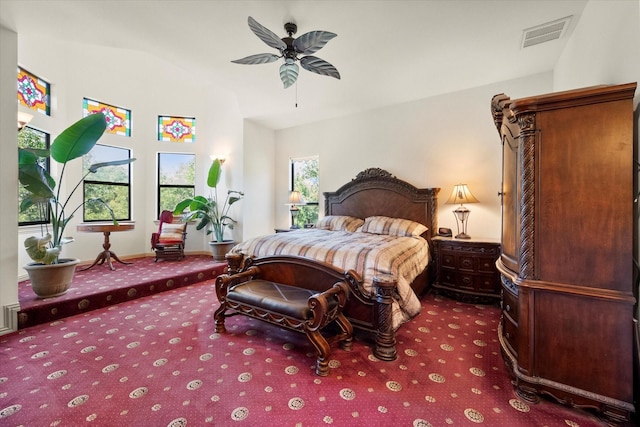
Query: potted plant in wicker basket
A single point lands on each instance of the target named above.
(49, 274)
(213, 215)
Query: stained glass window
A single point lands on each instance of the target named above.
(33, 92)
(118, 119)
(176, 129)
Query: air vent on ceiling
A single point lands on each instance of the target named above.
(546, 32)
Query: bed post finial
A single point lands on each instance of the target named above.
(373, 173)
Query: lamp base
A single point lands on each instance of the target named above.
(463, 236)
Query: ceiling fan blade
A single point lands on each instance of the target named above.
(319, 66)
(312, 41)
(289, 73)
(261, 58)
(267, 36)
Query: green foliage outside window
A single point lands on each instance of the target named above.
(170, 196)
(305, 180)
(176, 178)
(109, 184)
(33, 138)
(116, 196)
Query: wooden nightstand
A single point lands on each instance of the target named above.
(466, 270)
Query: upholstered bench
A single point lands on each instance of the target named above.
(291, 292)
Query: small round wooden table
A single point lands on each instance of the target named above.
(106, 254)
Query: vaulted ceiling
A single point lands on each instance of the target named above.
(387, 51)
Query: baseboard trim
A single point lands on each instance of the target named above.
(10, 317)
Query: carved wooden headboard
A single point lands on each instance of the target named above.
(375, 191)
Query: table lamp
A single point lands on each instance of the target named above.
(461, 194)
(295, 199)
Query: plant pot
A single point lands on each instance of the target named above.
(51, 280)
(220, 249)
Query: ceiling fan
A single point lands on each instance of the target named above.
(290, 48)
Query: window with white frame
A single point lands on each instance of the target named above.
(304, 178)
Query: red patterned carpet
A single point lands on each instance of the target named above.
(101, 287)
(155, 361)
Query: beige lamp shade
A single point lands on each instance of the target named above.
(461, 195)
(295, 198)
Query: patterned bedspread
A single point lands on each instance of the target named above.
(366, 253)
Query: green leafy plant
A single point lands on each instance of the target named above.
(212, 215)
(75, 141)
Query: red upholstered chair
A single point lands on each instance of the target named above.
(168, 242)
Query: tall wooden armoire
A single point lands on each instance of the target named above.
(567, 246)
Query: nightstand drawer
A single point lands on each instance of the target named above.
(486, 265)
(487, 282)
(466, 263)
(448, 260)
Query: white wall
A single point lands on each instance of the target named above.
(258, 205)
(604, 48)
(434, 142)
(149, 87)
(9, 181)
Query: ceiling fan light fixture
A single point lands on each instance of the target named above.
(289, 49)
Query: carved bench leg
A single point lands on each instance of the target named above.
(324, 351)
(347, 331)
(219, 317)
(385, 347)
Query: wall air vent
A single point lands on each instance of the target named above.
(546, 32)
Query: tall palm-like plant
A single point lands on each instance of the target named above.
(213, 215)
(75, 141)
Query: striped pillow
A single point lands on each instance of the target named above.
(392, 226)
(339, 223)
(171, 233)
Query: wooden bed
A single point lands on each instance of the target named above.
(375, 192)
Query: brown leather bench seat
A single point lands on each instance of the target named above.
(276, 297)
(312, 298)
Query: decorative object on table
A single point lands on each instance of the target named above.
(168, 242)
(290, 48)
(445, 232)
(461, 194)
(75, 141)
(213, 216)
(295, 200)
